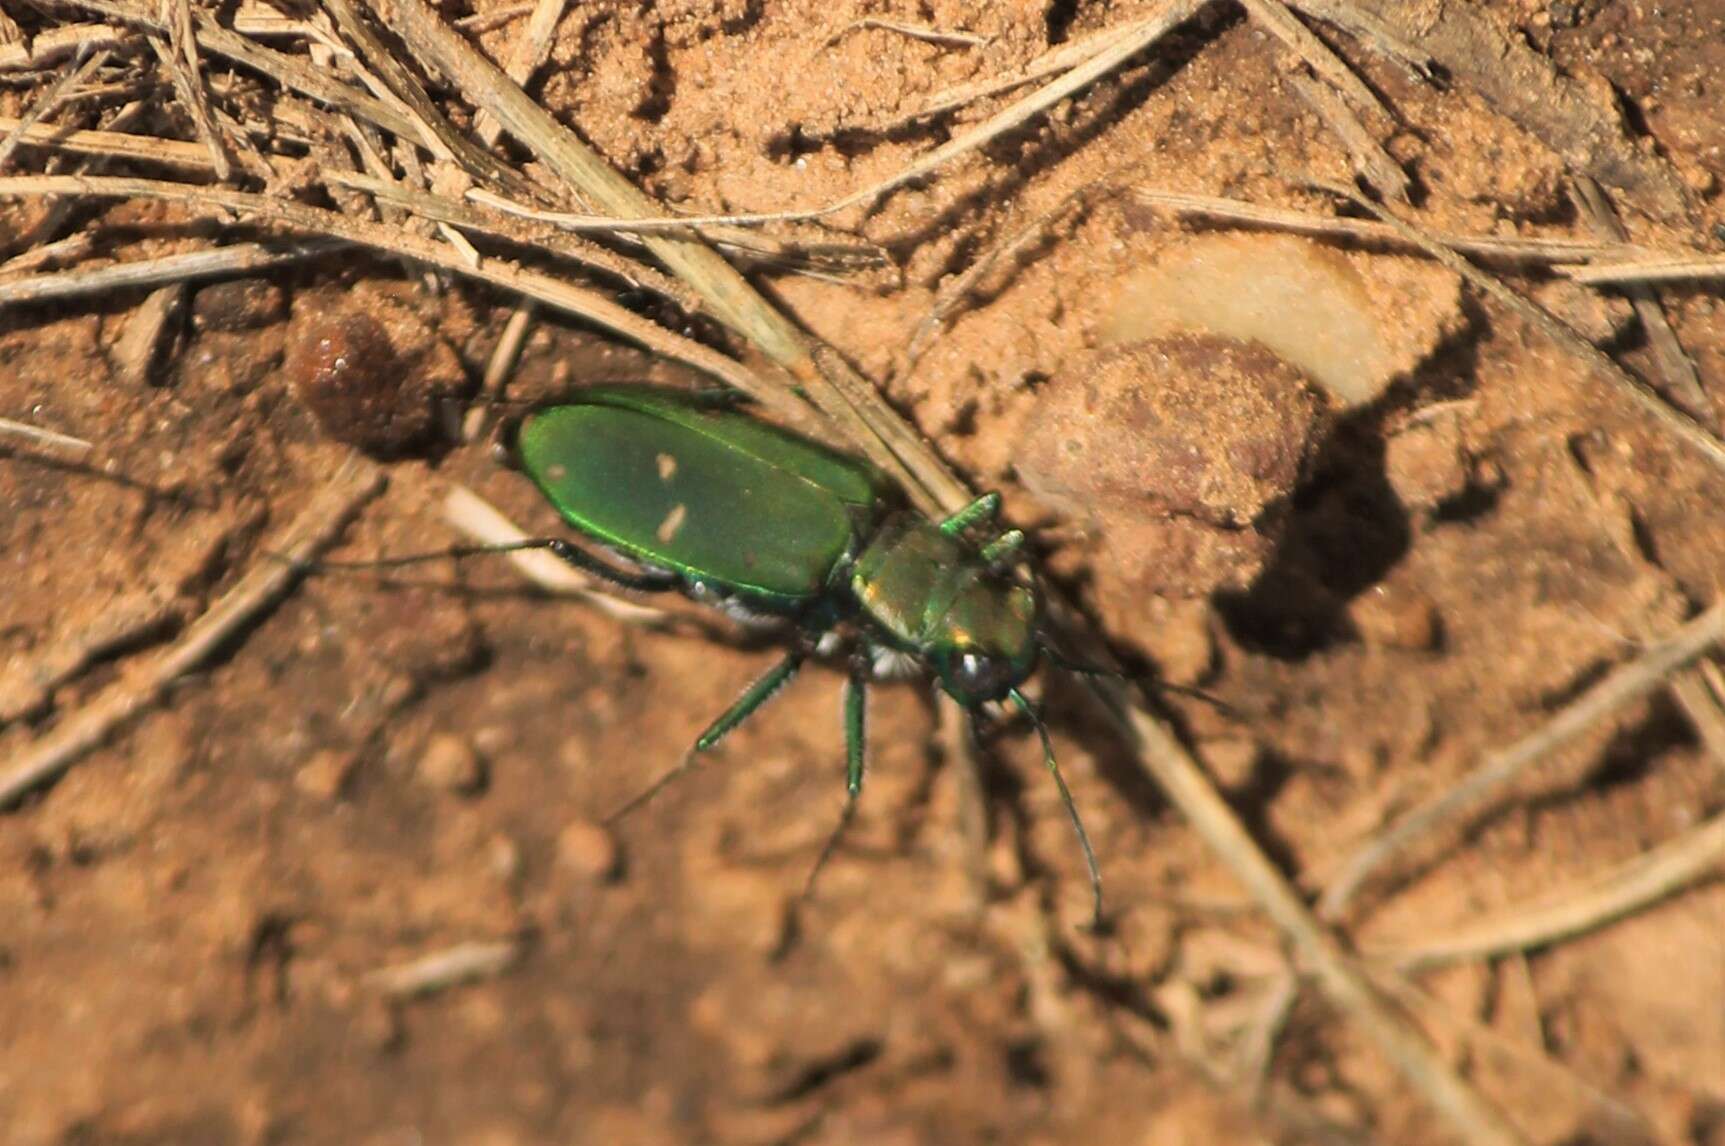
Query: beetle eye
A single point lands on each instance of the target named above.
(974, 677)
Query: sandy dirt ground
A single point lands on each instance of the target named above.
(1389, 523)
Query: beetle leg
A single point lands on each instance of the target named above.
(640, 580)
(1002, 547)
(753, 697)
(856, 754)
(984, 508)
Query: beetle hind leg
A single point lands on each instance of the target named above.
(746, 705)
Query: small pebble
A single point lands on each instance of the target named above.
(243, 304)
(326, 774)
(1396, 618)
(450, 764)
(590, 850)
(1426, 465)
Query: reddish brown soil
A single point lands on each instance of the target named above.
(391, 765)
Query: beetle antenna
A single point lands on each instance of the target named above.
(1061, 660)
(1029, 710)
(641, 581)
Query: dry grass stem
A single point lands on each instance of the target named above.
(468, 513)
(482, 22)
(439, 135)
(44, 106)
(63, 445)
(498, 368)
(27, 687)
(1703, 708)
(452, 967)
(1372, 32)
(544, 239)
(1698, 268)
(55, 44)
(1602, 365)
(1113, 53)
(1603, 899)
(923, 32)
(291, 72)
(1286, 27)
(111, 144)
(219, 262)
(548, 289)
(1586, 1103)
(1515, 250)
(526, 55)
(1319, 954)
(10, 32)
(955, 293)
(355, 482)
(1050, 63)
(1628, 683)
(180, 57)
(1370, 160)
(1682, 382)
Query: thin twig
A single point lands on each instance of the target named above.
(219, 262)
(1369, 231)
(1372, 32)
(69, 81)
(1682, 382)
(1703, 708)
(548, 289)
(180, 55)
(1061, 58)
(405, 87)
(1286, 27)
(543, 238)
(116, 144)
(52, 45)
(923, 32)
(291, 72)
(1601, 900)
(1602, 365)
(266, 584)
(526, 56)
(28, 687)
(1628, 683)
(1375, 165)
(452, 967)
(63, 444)
(1340, 979)
(1699, 268)
(498, 368)
(468, 513)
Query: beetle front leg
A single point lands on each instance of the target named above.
(984, 508)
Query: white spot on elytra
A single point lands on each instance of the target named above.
(667, 467)
(673, 522)
(556, 471)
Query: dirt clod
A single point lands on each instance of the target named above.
(451, 764)
(1179, 452)
(245, 304)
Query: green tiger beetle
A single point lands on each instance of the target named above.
(701, 498)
